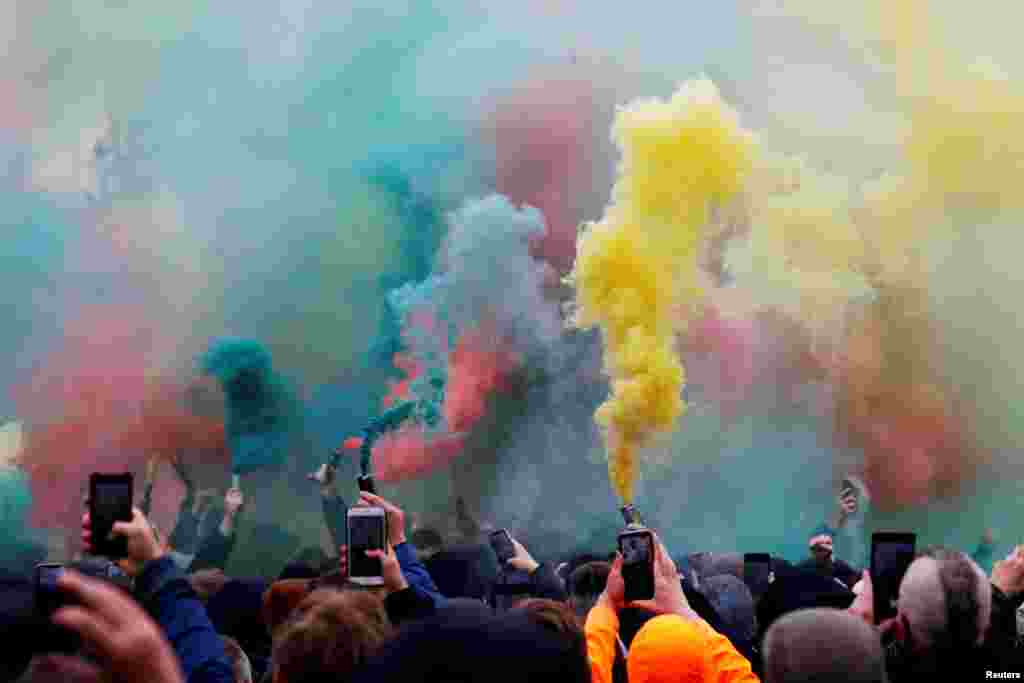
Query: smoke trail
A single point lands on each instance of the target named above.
(634, 267)
(261, 410)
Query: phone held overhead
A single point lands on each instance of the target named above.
(367, 530)
(636, 545)
(110, 501)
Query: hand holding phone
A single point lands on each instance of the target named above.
(110, 501)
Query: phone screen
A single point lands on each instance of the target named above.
(110, 501)
(364, 533)
(501, 542)
(637, 548)
(757, 571)
(891, 555)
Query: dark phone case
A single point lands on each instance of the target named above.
(639, 578)
(101, 521)
(885, 589)
(501, 543)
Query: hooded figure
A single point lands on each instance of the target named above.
(671, 649)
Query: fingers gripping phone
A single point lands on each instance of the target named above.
(891, 555)
(637, 549)
(110, 501)
(501, 542)
(757, 572)
(367, 530)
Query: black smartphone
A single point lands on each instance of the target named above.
(367, 530)
(757, 572)
(637, 548)
(365, 482)
(891, 555)
(110, 501)
(501, 542)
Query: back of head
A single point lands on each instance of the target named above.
(329, 636)
(812, 645)
(239, 660)
(734, 605)
(308, 563)
(670, 649)
(947, 600)
(281, 599)
(586, 584)
(554, 616)
(465, 641)
(466, 571)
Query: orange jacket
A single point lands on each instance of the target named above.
(668, 649)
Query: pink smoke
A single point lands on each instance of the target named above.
(94, 405)
(732, 343)
(478, 367)
(542, 135)
(412, 453)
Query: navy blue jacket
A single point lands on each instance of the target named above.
(416, 574)
(162, 589)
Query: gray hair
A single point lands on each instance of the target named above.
(820, 645)
(947, 599)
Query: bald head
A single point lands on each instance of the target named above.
(812, 645)
(947, 600)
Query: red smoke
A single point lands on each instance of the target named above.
(542, 135)
(732, 343)
(478, 367)
(412, 453)
(94, 405)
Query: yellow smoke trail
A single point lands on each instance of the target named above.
(637, 267)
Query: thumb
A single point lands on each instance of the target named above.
(617, 562)
(121, 529)
(378, 554)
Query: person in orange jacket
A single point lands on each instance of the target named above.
(677, 646)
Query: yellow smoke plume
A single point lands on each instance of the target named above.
(637, 267)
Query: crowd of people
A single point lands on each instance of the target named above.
(448, 611)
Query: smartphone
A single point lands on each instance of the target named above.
(757, 572)
(367, 530)
(365, 482)
(637, 548)
(501, 541)
(891, 555)
(110, 501)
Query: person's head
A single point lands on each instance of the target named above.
(586, 584)
(281, 599)
(671, 649)
(734, 605)
(329, 636)
(945, 603)
(555, 616)
(309, 562)
(822, 645)
(239, 660)
(427, 542)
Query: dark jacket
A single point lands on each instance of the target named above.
(162, 589)
(466, 571)
(237, 611)
(416, 574)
